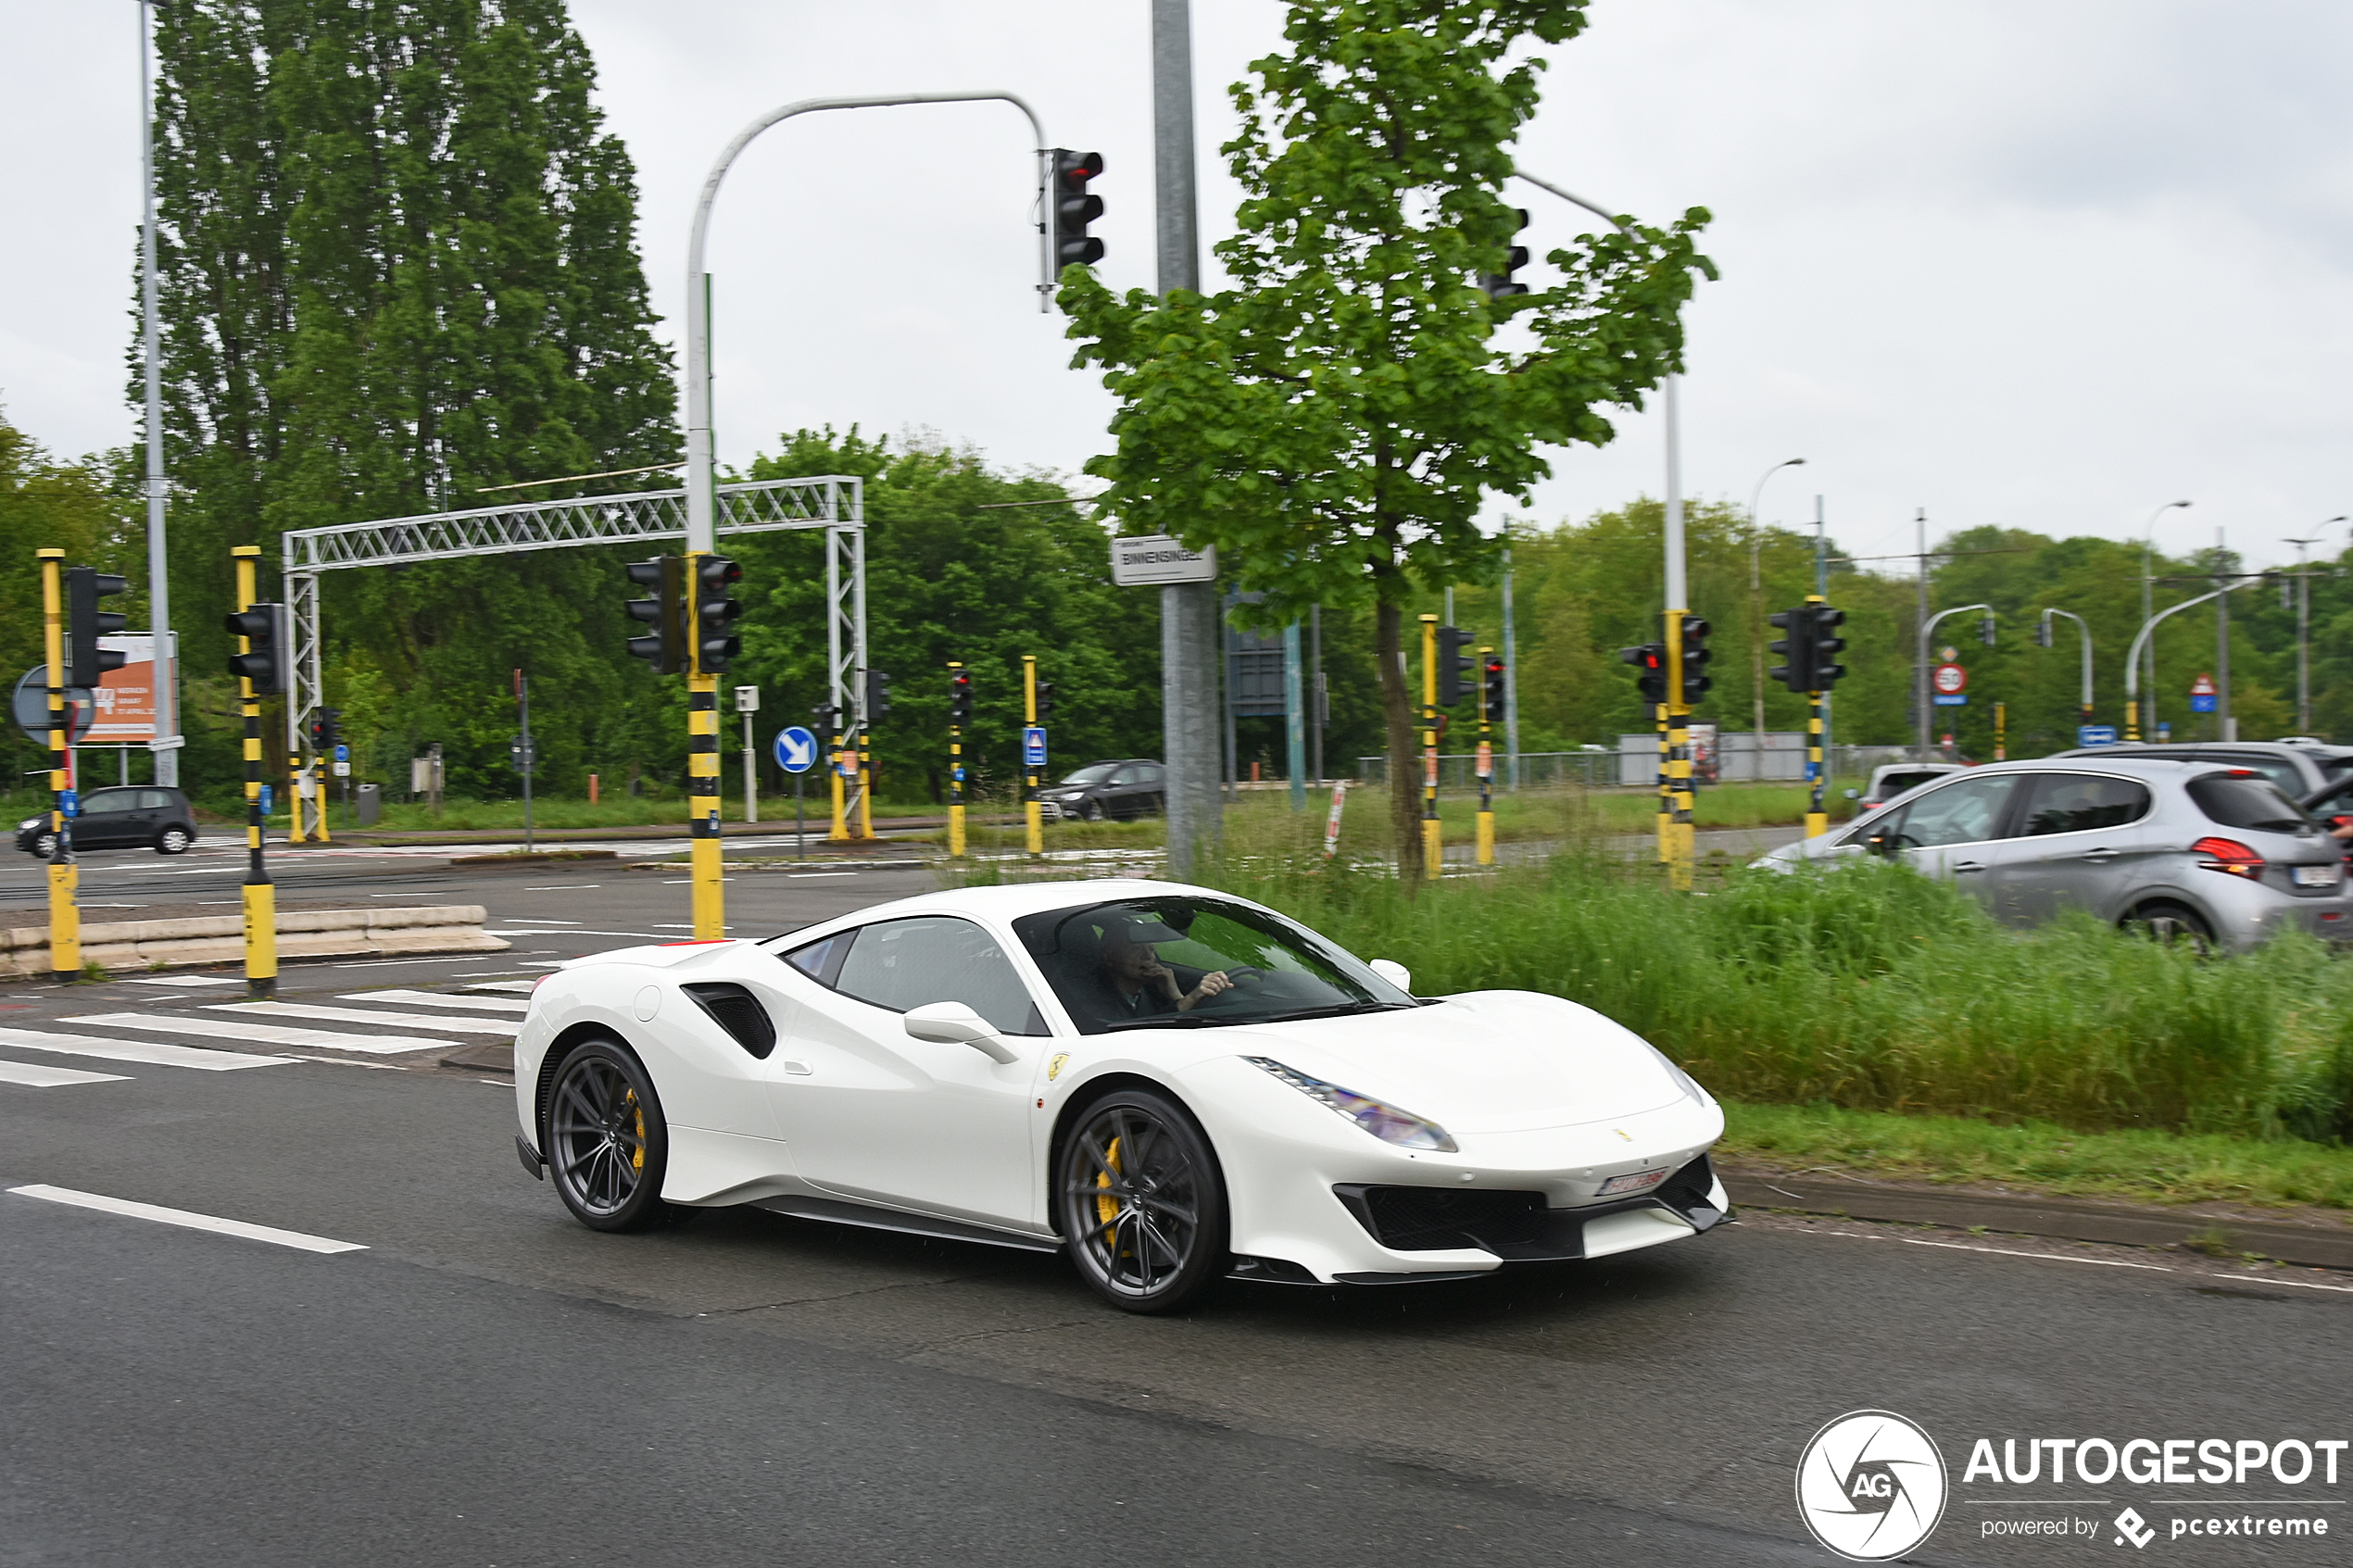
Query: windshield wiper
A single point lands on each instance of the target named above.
(1169, 1021)
(1339, 1010)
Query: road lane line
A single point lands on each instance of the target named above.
(152, 1053)
(40, 1075)
(525, 986)
(367, 1015)
(2299, 1284)
(438, 1000)
(185, 979)
(264, 1033)
(193, 1221)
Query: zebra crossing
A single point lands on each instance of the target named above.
(259, 1034)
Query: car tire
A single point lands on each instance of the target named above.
(605, 1139)
(44, 845)
(2171, 925)
(1093, 811)
(174, 840)
(1140, 1201)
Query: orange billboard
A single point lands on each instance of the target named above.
(126, 697)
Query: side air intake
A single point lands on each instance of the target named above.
(737, 1012)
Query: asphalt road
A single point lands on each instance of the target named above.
(489, 1383)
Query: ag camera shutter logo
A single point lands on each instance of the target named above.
(1872, 1486)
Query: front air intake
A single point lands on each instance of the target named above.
(737, 1011)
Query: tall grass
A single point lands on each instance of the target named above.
(1869, 988)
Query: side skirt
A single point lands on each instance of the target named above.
(834, 1211)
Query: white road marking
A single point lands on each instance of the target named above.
(546, 920)
(525, 986)
(265, 1034)
(570, 931)
(38, 1075)
(380, 963)
(152, 1053)
(186, 980)
(2299, 1284)
(566, 887)
(194, 1221)
(438, 1000)
(365, 1015)
(811, 876)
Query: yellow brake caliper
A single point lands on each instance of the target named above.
(1107, 1209)
(637, 1156)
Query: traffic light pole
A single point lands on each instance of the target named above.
(65, 876)
(1433, 838)
(1031, 812)
(1817, 821)
(955, 771)
(260, 897)
(703, 769)
(1486, 770)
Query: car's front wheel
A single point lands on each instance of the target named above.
(1142, 1203)
(173, 841)
(1093, 811)
(44, 844)
(605, 1139)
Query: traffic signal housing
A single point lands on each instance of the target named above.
(1822, 632)
(1453, 666)
(960, 699)
(878, 694)
(1985, 630)
(1075, 207)
(1045, 699)
(263, 626)
(85, 623)
(716, 611)
(1796, 648)
(827, 716)
(326, 732)
(1649, 661)
(665, 647)
(1697, 681)
(1491, 687)
(1502, 285)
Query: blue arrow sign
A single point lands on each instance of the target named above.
(796, 750)
(2096, 735)
(1033, 747)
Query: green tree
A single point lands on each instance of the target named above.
(1333, 421)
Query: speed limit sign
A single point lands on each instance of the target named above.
(1950, 680)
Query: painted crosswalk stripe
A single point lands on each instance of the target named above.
(193, 1221)
(438, 1000)
(261, 1034)
(368, 1015)
(524, 987)
(152, 1053)
(41, 1075)
(185, 979)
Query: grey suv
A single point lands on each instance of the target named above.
(2298, 767)
(2217, 855)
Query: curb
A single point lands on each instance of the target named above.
(302, 933)
(2067, 1219)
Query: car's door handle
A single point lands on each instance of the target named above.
(1968, 866)
(2098, 855)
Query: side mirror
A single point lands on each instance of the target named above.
(953, 1023)
(1853, 794)
(1396, 973)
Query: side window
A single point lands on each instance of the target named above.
(901, 964)
(154, 800)
(112, 800)
(1128, 776)
(1965, 813)
(2281, 771)
(2080, 803)
(820, 961)
(1151, 773)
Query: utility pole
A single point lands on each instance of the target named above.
(523, 758)
(1822, 592)
(1031, 813)
(260, 894)
(1322, 698)
(1511, 667)
(1920, 668)
(2304, 634)
(1676, 827)
(1756, 605)
(2134, 713)
(166, 746)
(1188, 617)
(64, 875)
(1433, 844)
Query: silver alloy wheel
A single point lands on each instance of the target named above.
(173, 841)
(1142, 1203)
(44, 845)
(603, 1138)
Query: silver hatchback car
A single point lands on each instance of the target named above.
(2194, 851)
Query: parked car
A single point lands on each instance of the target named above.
(2298, 767)
(2216, 855)
(137, 817)
(1136, 787)
(1893, 779)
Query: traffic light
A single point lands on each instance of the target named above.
(666, 648)
(1695, 657)
(1045, 699)
(1985, 630)
(2042, 630)
(1075, 208)
(263, 626)
(960, 699)
(1452, 665)
(827, 716)
(1650, 661)
(878, 694)
(1796, 668)
(326, 732)
(1491, 688)
(85, 623)
(716, 612)
(1500, 286)
(1824, 622)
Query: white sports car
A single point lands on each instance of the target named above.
(1170, 1085)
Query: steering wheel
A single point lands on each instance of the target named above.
(1241, 972)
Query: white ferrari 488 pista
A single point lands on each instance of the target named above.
(1168, 1084)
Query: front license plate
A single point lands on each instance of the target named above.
(2316, 876)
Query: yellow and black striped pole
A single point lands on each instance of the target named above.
(1486, 769)
(955, 759)
(1678, 833)
(1433, 840)
(65, 876)
(261, 896)
(1032, 813)
(702, 768)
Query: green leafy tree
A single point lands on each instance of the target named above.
(1333, 421)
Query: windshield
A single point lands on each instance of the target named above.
(1094, 772)
(2252, 803)
(1192, 962)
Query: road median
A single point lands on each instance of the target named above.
(124, 947)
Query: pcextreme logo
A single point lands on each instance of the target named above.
(1870, 1486)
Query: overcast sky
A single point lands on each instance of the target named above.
(2046, 265)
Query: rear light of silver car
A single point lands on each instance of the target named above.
(2228, 855)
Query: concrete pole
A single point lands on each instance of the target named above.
(1511, 673)
(1189, 619)
(166, 746)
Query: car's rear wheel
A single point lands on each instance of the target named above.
(2171, 925)
(1142, 1203)
(173, 841)
(44, 845)
(605, 1142)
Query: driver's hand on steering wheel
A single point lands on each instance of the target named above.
(1210, 984)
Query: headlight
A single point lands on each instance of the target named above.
(30, 823)
(1384, 1122)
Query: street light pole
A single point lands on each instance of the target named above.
(1756, 606)
(1929, 625)
(166, 746)
(2133, 714)
(2303, 634)
(2082, 627)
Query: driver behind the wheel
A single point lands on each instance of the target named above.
(1139, 984)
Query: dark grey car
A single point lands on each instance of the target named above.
(124, 816)
(1136, 787)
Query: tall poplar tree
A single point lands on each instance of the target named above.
(399, 268)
